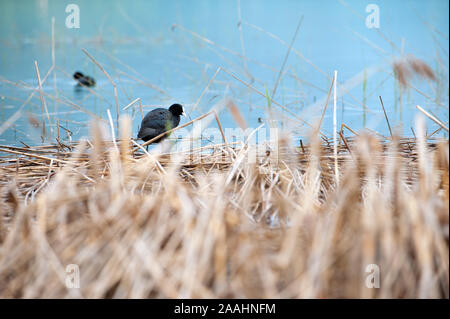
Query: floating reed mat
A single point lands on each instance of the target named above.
(210, 223)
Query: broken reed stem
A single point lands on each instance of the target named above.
(301, 145)
(110, 80)
(272, 101)
(210, 42)
(348, 128)
(32, 155)
(336, 169)
(341, 134)
(435, 131)
(161, 168)
(111, 124)
(54, 62)
(57, 128)
(220, 127)
(130, 104)
(99, 66)
(140, 108)
(237, 116)
(385, 115)
(221, 131)
(414, 134)
(204, 90)
(326, 103)
(286, 56)
(150, 85)
(117, 108)
(43, 103)
(300, 55)
(214, 146)
(241, 37)
(434, 119)
(5, 125)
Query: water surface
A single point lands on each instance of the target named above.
(167, 51)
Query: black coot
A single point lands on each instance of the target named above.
(158, 121)
(84, 79)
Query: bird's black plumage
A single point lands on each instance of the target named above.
(158, 121)
(84, 80)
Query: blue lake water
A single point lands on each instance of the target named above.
(165, 52)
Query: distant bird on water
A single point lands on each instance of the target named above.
(84, 80)
(159, 121)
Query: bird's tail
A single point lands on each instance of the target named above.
(147, 131)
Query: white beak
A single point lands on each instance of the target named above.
(184, 114)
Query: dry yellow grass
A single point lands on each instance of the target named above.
(165, 226)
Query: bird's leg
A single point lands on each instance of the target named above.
(147, 148)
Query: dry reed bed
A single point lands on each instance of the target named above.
(140, 225)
